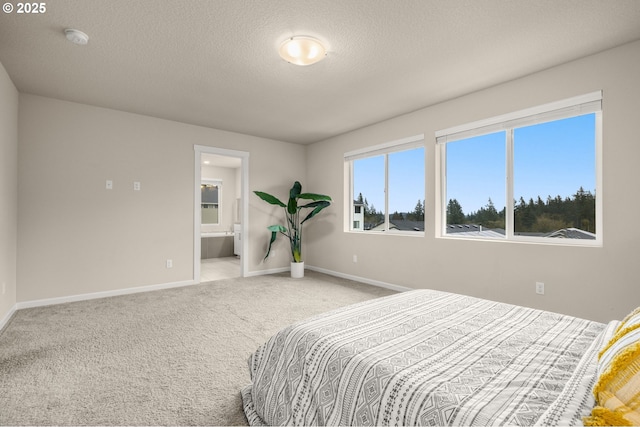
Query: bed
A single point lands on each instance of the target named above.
(427, 357)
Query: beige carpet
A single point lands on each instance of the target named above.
(170, 357)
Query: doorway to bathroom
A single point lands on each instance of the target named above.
(220, 213)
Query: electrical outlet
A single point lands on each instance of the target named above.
(355, 258)
(169, 263)
(539, 288)
(136, 186)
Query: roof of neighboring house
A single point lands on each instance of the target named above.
(406, 225)
(473, 230)
(399, 224)
(477, 230)
(572, 233)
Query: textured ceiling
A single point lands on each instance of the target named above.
(215, 63)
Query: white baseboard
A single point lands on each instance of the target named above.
(264, 272)
(117, 292)
(104, 294)
(360, 279)
(6, 318)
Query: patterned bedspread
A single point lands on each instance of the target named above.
(426, 358)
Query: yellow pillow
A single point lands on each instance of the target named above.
(628, 324)
(627, 319)
(617, 390)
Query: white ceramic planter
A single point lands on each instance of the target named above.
(297, 270)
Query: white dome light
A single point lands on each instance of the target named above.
(302, 50)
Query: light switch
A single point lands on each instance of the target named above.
(109, 184)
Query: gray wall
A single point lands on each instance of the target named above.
(8, 192)
(595, 283)
(75, 237)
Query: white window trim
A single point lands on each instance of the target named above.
(571, 107)
(218, 183)
(416, 141)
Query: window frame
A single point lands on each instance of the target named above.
(404, 144)
(217, 183)
(590, 103)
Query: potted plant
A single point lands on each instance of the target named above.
(293, 230)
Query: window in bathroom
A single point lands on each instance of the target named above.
(210, 201)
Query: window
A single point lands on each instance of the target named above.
(358, 217)
(386, 187)
(210, 201)
(532, 175)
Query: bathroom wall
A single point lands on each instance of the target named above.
(229, 192)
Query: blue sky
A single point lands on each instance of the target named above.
(550, 159)
(406, 180)
(554, 158)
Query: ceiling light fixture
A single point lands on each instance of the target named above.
(76, 36)
(302, 50)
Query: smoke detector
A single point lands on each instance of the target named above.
(76, 36)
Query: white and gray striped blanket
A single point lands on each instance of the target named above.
(426, 358)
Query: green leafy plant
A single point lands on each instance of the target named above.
(292, 214)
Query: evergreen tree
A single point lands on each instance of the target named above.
(585, 208)
(455, 215)
(486, 215)
(418, 212)
(491, 210)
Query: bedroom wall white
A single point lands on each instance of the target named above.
(76, 237)
(594, 283)
(8, 193)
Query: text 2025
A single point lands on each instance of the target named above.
(31, 7)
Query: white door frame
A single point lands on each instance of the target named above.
(244, 200)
